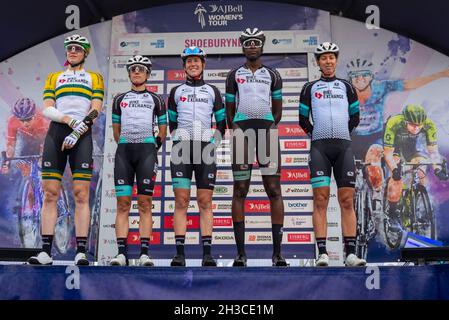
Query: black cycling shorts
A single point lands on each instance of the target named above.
(54, 160)
(254, 142)
(193, 156)
(332, 154)
(139, 160)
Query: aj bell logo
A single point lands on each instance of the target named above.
(200, 11)
(219, 15)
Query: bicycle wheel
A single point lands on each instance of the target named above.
(392, 237)
(63, 228)
(28, 218)
(360, 213)
(424, 222)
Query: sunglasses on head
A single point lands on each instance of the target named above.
(138, 68)
(74, 48)
(252, 43)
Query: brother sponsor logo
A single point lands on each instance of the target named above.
(297, 205)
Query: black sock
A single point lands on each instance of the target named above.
(144, 245)
(47, 241)
(122, 246)
(81, 244)
(207, 244)
(321, 244)
(179, 240)
(276, 230)
(349, 245)
(239, 234)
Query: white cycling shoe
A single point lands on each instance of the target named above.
(353, 261)
(81, 259)
(145, 261)
(322, 261)
(119, 260)
(42, 258)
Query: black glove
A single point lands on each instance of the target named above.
(158, 142)
(440, 174)
(397, 175)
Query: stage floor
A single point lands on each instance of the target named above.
(222, 283)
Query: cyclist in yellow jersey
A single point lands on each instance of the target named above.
(72, 100)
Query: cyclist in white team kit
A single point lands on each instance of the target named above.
(133, 114)
(334, 107)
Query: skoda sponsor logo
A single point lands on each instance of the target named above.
(221, 190)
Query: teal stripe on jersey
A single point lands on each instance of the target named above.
(162, 119)
(269, 117)
(354, 108)
(122, 140)
(277, 95)
(323, 181)
(172, 115)
(230, 97)
(220, 115)
(116, 118)
(123, 191)
(181, 183)
(149, 140)
(240, 117)
(304, 110)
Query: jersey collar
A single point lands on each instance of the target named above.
(328, 79)
(194, 83)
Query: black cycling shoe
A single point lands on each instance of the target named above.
(279, 261)
(208, 261)
(178, 261)
(240, 261)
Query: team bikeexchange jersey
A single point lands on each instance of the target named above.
(331, 101)
(135, 111)
(252, 92)
(190, 109)
(73, 91)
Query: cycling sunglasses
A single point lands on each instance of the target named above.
(27, 120)
(252, 43)
(138, 68)
(362, 73)
(74, 48)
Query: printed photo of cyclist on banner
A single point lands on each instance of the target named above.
(401, 167)
(23, 130)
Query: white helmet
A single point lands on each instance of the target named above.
(326, 47)
(138, 59)
(79, 40)
(252, 34)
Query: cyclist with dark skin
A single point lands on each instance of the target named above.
(334, 107)
(401, 144)
(254, 109)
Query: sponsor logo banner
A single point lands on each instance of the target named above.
(297, 190)
(215, 74)
(222, 222)
(295, 175)
(223, 238)
(257, 206)
(298, 222)
(191, 238)
(193, 222)
(258, 237)
(295, 159)
(290, 130)
(290, 102)
(298, 206)
(170, 206)
(290, 115)
(134, 238)
(298, 238)
(295, 145)
(155, 87)
(292, 73)
(156, 206)
(135, 220)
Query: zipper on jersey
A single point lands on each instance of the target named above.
(330, 109)
(194, 107)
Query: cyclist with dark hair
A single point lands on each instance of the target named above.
(190, 109)
(133, 115)
(72, 100)
(254, 109)
(401, 143)
(334, 107)
(25, 133)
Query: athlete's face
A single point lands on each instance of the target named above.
(361, 79)
(27, 123)
(138, 74)
(75, 54)
(252, 48)
(414, 128)
(194, 66)
(327, 63)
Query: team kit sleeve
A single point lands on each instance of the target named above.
(160, 110)
(305, 103)
(219, 114)
(172, 111)
(353, 106)
(231, 87)
(50, 85)
(97, 86)
(276, 85)
(116, 110)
